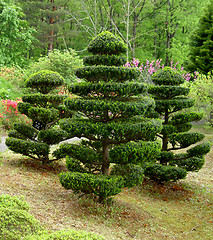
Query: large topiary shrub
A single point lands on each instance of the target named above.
(45, 108)
(170, 99)
(111, 124)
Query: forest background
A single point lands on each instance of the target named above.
(152, 29)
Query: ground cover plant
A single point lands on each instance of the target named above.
(44, 107)
(170, 99)
(112, 124)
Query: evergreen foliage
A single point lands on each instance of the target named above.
(45, 108)
(112, 116)
(16, 222)
(201, 54)
(170, 98)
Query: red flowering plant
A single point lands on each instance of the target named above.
(10, 114)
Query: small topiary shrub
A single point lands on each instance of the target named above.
(170, 98)
(45, 108)
(112, 106)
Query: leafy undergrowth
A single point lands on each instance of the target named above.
(180, 210)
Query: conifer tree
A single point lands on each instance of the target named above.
(112, 124)
(45, 108)
(170, 99)
(201, 54)
(48, 17)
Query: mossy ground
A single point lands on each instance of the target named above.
(181, 210)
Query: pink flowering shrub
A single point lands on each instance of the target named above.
(152, 67)
(10, 114)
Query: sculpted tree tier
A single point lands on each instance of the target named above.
(45, 108)
(112, 123)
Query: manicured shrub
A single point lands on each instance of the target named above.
(44, 108)
(171, 98)
(112, 123)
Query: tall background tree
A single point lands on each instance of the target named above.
(15, 35)
(48, 17)
(201, 53)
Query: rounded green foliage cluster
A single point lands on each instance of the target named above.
(109, 90)
(29, 148)
(163, 173)
(167, 76)
(115, 131)
(102, 186)
(66, 235)
(44, 81)
(107, 73)
(132, 174)
(16, 222)
(135, 152)
(107, 43)
(107, 60)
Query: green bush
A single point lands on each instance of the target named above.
(107, 43)
(102, 186)
(163, 173)
(132, 174)
(16, 222)
(63, 62)
(66, 235)
(8, 201)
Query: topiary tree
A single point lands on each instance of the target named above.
(201, 54)
(171, 98)
(45, 108)
(112, 124)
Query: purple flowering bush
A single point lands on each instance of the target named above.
(151, 67)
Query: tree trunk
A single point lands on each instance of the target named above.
(51, 35)
(105, 158)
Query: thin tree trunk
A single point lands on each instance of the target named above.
(105, 156)
(51, 35)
